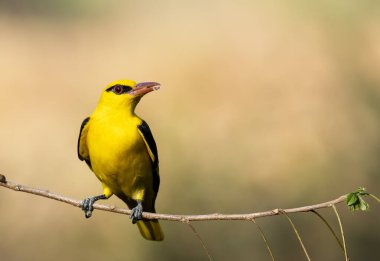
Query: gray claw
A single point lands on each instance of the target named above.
(136, 213)
(87, 204)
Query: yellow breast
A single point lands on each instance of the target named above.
(119, 156)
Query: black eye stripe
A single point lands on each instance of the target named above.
(125, 88)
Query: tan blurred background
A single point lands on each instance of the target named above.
(264, 104)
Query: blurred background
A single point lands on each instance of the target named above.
(264, 104)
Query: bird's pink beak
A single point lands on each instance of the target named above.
(143, 88)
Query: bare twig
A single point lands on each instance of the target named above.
(330, 228)
(341, 231)
(200, 239)
(374, 197)
(298, 236)
(264, 239)
(171, 217)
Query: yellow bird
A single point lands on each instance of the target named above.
(119, 148)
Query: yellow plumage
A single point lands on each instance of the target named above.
(119, 148)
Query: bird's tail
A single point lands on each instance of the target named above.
(150, 230)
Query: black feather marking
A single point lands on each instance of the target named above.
(125, 88)
(145, 130)
(148, 136)
(85, 121)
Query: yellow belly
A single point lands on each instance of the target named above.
(119, 156)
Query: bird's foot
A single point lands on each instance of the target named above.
(136, 212)
(87, 204)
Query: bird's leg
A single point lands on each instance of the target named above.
(87, 204)
(136, 212)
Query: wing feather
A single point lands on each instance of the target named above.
(82, 148)
(147, 136)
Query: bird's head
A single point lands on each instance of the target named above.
(126, 93)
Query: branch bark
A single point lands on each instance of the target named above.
(169, 217)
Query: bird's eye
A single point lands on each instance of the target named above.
(118, 89)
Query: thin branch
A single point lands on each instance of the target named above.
(330, 228)
(264, 239)
(374, 197)
(298, 236)
(341, 231)
(200, 239)
(169, 217)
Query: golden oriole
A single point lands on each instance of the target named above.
(119, 148)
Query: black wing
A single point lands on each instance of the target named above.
(152, 148)
(82, 148)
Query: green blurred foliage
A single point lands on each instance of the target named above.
(264, 105)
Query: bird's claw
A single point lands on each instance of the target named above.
(136, 213)
(87, 206)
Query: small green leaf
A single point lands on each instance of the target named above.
(363, 205)
(355, 201)
(352, 199)
(362, 192)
